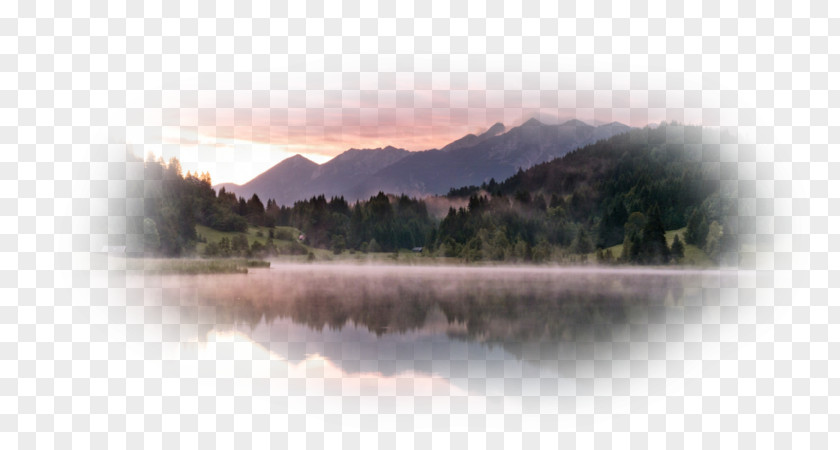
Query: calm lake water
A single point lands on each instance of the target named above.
(495, 333)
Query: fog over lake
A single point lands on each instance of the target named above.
(494, 332)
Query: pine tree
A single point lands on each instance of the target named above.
(697, 229)
(713, 241)
(583, 244)
(151, 238)
(677, 249)
(654, 247)
(630, 251)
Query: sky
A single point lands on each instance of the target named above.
(317, 80)
(235, 143)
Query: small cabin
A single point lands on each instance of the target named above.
(417, 249)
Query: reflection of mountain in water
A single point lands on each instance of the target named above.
(508, 307)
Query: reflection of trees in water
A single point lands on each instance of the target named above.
(507, 308)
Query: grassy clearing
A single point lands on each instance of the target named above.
(694, 256)
(285, 241)
(401, 257)
(194, 266)
(283, 236)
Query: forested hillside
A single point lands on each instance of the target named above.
(626, 190)
(382, 223)
(175, 203)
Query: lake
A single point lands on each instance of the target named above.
(493, 333)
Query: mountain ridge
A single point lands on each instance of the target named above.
(496, 153)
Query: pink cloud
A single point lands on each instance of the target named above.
(323, 124)
(337, 129)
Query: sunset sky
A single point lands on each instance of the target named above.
(234, 144)
(353, 79)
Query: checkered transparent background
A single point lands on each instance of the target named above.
(85, 362)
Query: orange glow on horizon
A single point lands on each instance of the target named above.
(238, 141)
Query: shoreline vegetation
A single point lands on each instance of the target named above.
(694, 258)
(640, 198)
(193, 266)
(207, 266)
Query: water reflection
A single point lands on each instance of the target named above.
(472, 326)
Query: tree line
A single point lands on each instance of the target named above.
(383, 223)
(626, 190)
(175, 203)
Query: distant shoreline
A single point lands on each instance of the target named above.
(209, 266)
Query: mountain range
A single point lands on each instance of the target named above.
(471, 160)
